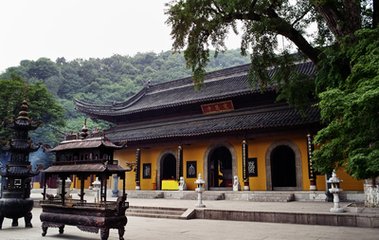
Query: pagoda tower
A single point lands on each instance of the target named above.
(16, 175)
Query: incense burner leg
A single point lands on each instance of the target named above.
(15, 222)
(121, 231)
(1, 221)
(104, 233)
(44, 229)
(61, 229)
(28, 220)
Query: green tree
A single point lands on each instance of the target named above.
(351, 109)
(42, 69)
(43, 107)
(346, 80)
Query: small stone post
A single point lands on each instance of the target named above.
(200, 189)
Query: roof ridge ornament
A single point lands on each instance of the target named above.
(84, 132)
(148, 84)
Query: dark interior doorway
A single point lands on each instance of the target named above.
(283, 167)
(168, 167)
(220, 168)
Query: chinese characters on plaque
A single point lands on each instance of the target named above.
(146, 170)
(191, 169)
(225, 106)
(252, 167)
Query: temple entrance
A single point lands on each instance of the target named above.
(220, 169)
(168, 167)
(283, 168)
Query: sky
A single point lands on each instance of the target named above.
(72, 29)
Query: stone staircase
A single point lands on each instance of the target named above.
(271, 197)
(187, 195)
(160, 212)
(192, 195)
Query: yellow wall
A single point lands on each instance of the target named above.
(197, 151)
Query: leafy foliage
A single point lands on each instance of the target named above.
(351, 109)
(43, 107)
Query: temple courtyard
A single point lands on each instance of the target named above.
(164, 228)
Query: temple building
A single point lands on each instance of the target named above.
(227, 128)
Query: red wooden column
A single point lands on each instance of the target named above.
(245, 174)
(179, 163)
(138, 169)
(311, 173)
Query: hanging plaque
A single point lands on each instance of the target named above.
(252, 167)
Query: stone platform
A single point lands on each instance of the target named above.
(254, 196)
(304, 208)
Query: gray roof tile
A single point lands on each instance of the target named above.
(252, 119)
(217, 85)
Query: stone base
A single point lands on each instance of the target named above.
(337, 210)
(371, 194)
(312, 188)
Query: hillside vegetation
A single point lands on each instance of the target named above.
(106, 80)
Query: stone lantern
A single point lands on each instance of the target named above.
(335, 189)
(200, 189)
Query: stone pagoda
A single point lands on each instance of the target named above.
(16, 175)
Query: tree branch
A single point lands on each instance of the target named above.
(301, 17)
(282, 27)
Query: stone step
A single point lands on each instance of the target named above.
(153, 215)
(271, 197)
(154, 210)
(207, 195)
(187, 195)
(157, 212)
(145, 194)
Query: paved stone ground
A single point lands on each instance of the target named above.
(294, 206)
(162, 229)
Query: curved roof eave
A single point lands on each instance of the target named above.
(107, 112)
(259, 119)
(126, 107)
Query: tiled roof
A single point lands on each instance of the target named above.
(263, 118)
(85, 168)
(17, 171)
(217, 85)
(85, 144)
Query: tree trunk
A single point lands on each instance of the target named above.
(371, 190)
(375, 14)
(341, 20)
